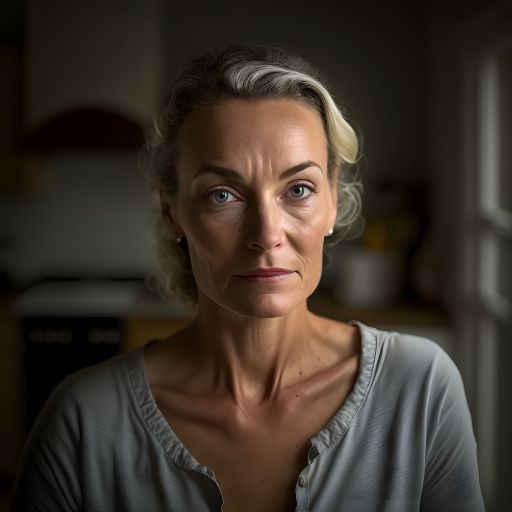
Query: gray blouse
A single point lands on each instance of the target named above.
(401, 442)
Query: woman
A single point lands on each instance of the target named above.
(257, 405)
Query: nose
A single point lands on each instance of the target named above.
(265, 227)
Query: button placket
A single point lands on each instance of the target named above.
(301, 494)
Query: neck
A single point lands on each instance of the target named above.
(253, 359)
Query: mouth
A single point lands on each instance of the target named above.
(262, 275)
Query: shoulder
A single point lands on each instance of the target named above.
(413, 351)
(404, 359)
(76, 423)
(406, 346)
(94, 385)
(91, 398)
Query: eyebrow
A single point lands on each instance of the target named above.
(229, 173)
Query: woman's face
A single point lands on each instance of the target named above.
(253, 195)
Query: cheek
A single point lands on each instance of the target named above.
(308, 244)
(310, 230)
(211, 245)
(212, 234)
(315, 251)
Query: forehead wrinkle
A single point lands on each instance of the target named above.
(264, 154)
(272, 163)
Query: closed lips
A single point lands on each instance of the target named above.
(266, 272)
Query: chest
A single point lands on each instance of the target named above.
(256, 468)
(256, 453)
(257, 456)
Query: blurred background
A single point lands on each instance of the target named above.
(426, 83)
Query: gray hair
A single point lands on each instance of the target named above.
(244, 72)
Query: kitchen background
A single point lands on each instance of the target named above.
(427, 84)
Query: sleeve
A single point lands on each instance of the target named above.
(451, 480)
(47, 473)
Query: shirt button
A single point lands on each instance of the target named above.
(302, 481)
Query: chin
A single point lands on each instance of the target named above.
(268, 307)
(265, 306)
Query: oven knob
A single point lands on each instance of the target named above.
(65, 336)
(112, 336)
(95, 336)
(37, 335)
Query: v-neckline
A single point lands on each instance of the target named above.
(331, 433)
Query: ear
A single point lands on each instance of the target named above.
(168, 209)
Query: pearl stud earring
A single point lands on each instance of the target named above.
(330, 232)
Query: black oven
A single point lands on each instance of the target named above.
(68, 325)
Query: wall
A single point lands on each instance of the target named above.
(88, 216)
(95, 53)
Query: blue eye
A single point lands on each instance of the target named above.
(300, 191)
(222, 196)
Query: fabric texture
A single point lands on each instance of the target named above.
(401, 442)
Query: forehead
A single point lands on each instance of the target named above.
(266, 129)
